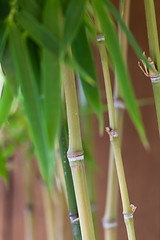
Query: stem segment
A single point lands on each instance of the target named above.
(69, 185)
(110, 216)
(154, 49)
(75, 156)
(114, 139)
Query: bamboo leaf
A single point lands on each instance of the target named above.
(46, 40)
(72, 22)
(113, 47)
(3, 168)
(5, 103)
(3, 39)
(4, 9)
(51, 75)
(31, 6)
(9, 70)
(129, 35)
(83, 55)
(38, 32)
(73, 64)
(32, 102)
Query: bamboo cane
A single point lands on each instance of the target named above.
(87, 133)
(73, 212)
(110, 216)
(76, 157)
(114, 139)
(154, 53)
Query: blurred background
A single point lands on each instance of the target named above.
(142, 168)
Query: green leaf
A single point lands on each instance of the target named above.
(38, 32)
(4, 9)
(72, 21)
(51, 75)
(47, 40)
(3, 168)
(89, 26)
(129, 35)
(3, 39)
(32, 101)
(31, 6)
(9, 70)
(113, 47)
(73, 64)
(5, 103)
(83, 55)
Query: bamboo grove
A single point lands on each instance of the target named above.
(49, 79)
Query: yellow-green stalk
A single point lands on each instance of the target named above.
(87, 133)
(110, 215)
(114, 139)
(154, 52)
(76, 157)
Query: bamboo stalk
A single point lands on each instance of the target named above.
(73, 212)
(87, 133)
(152, 32)
(110, 215)
(154, 51)
(114, 139)
(29, 209)
(76, 157)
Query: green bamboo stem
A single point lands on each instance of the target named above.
(114, 139)
(87, 133)
(110, 216)
(29, 210)
(75, 156)
(154, 50)
(152, 32)
(73, 212)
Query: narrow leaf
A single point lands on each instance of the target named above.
(45, 39)
(31, 6)
(83, 55)
(3, 168)
(72, 22)
(51, 75)
(9, 70)
(38, 32)
(113, 47)
(32, 102)
(129, 35)
(5, 103)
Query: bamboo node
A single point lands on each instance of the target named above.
(100, 38)
(74, 218)
(129, 215)
(119, 103)
(77, 156)
(109, 224)
(154, 76)
(112, 133)
(133, 208)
